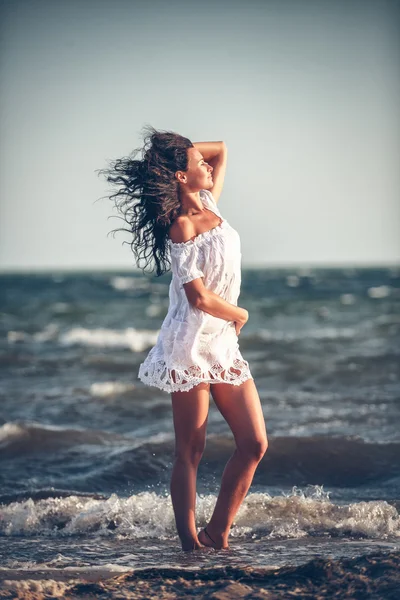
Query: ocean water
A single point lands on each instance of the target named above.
(86, 450)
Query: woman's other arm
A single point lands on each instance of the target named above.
(204, 299)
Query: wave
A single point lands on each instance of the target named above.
(45, 493)
(332, 332)
(319, 333)
(136, 340)
(21, 439)
(298, 514)
(125, 460)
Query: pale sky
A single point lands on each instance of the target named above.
(304, 93)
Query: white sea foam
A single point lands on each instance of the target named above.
(10, 431)
(50, 332)
(16, 336)
(49, 585)
(122, 283)
(302, 513)
(135, 339)
(110, 388)
(126, 283)
(297, 514)
(382, 291)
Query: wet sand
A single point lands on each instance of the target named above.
(374, 576)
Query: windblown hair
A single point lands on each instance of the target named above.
(148, 193)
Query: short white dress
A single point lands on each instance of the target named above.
(193, 346)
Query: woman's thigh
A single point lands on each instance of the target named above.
(241, 408)
(190, 415)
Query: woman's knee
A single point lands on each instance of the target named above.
(253, 448)
(190, 451)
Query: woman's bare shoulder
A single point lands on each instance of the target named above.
(181, 230)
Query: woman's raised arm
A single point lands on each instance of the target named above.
(216, 154)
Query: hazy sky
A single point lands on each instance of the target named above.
(304, 93)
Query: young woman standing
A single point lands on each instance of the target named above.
(177, 185)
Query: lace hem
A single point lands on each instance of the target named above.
(157, 374)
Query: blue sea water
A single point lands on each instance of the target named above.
(86, 450)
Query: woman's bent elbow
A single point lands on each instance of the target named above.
(199, 301)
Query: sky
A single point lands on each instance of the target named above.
(304, 93)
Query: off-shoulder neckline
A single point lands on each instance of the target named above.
(199, 236)
(204, 234)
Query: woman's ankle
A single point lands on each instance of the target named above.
(189, 542)
(216, 534)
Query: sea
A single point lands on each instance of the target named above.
(86, 449)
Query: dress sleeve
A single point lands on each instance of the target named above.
(186, 262)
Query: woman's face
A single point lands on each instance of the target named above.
(198, 175)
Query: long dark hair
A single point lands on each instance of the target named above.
(148, 193)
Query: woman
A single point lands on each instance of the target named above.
(177, 184)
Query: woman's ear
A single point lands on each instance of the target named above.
(181, 177)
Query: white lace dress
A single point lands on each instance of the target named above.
(193, 346)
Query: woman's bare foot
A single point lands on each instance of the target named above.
(212, 541)
(191, 545)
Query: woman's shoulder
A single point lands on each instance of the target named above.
(181, 229)
(182, 234)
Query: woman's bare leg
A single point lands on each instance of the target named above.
(190, 414)
(241, 408)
